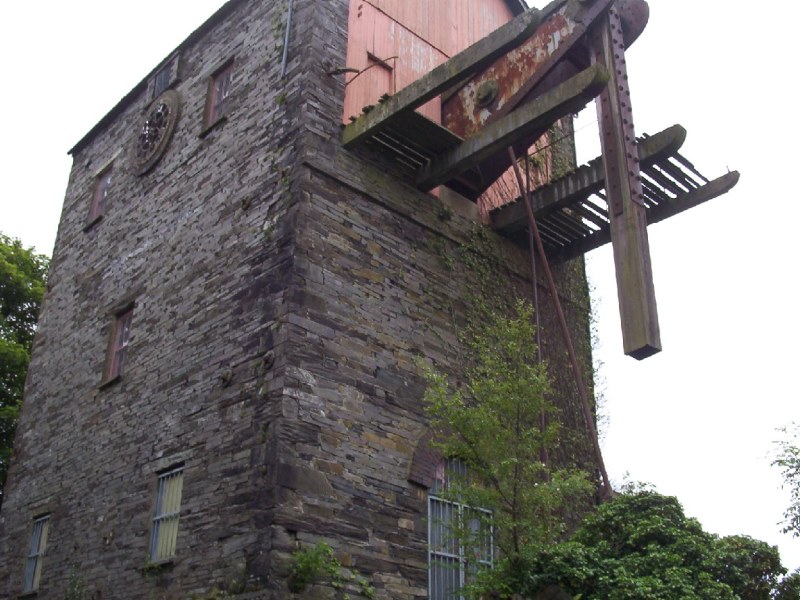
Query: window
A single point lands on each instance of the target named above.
(219, 91)
(118, 347)
(460, 537)
(162, 80)
(100, 195)
(165, 515)
(33, 563)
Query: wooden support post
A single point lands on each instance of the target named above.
(637, 303)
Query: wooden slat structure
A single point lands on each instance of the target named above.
(572, 212)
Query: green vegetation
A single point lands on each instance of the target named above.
(23, 275)
(499, 423)
(788, 461)
(640, 544)
(317, 564)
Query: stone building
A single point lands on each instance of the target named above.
(225, 367)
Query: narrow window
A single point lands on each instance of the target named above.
(162, 79)
(460, 537)
(219, 90)
(33, 563)
(166, 513)
(100, 195)
(118, 348)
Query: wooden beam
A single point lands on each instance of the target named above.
(704, 193)
(584, 181)
(641, 335)
(569, 97)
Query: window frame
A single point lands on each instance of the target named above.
(216, 109)
(118, 344)
(37, 546)
(156, 553)
(442, 563)
(102, 183)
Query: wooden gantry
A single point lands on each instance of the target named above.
(507, 90)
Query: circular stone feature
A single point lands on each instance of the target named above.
(155, 132)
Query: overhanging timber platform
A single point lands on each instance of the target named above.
(572, 212)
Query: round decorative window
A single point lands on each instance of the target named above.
(155, 132)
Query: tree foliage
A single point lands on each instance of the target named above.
(494, 424)
(22, 283)
(788, 461)
(642, 545)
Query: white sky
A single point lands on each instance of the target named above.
(697, 420)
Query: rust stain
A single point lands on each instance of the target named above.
(464, 115)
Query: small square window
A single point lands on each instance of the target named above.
(219, 90)
(118, 347)
(164, 536)
(100, 195)
(33, 563)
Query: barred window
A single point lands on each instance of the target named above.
(33, 563)
(165, 517)
(460, 537)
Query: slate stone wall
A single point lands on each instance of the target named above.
(204, 246)
(283, 291)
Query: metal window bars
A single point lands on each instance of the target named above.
(460, 538)
(33, 562)
(165, 518)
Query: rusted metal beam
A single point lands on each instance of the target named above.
(674, 206)
(562, 321)
(584, 181)
(569, 97)
(462, 65)
(641, 336)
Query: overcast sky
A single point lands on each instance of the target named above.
(697, 420)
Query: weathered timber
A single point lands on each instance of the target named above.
(641, 336)
(672, 207)
(567, 98)
(557, 36)
(462, 65)
(584, 181)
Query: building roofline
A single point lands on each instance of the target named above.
(221, 13)
(516, 6)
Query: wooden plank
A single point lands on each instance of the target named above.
(463, 64)
(542, 112)
(584, 181)
(709, 191)
(717, 187)
(429, 135)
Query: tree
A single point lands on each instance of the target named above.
(788, 461)
(23, 276)
(642, 545)
(494, 425)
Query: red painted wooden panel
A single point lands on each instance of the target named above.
(414, 36)
(420, 33)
